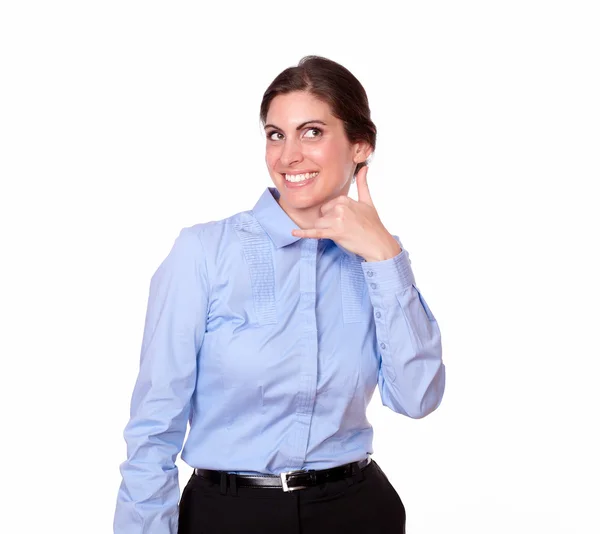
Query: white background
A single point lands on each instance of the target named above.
(121, 122)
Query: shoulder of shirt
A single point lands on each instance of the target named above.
(209, 230)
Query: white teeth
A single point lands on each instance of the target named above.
(300, 177)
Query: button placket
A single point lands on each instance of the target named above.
(307, 352)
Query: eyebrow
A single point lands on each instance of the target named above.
(299, 127)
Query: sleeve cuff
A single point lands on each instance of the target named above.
(394, 274)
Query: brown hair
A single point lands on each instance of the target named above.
(333, 84)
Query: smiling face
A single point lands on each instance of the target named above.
(302, 136)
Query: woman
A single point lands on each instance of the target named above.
(270, 330)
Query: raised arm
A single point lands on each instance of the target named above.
(412, 376)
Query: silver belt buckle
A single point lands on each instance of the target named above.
(285, 484)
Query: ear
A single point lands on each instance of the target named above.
(361, 151)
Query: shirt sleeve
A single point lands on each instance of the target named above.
(148, 496)
(412, 375)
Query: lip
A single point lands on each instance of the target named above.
(297, 172)
(299, 185)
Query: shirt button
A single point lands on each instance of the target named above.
(382, 345)
(378, 315)
(369, 273)
(374, 286)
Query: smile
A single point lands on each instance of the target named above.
(300, 177)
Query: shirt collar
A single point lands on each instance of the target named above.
(276, 222)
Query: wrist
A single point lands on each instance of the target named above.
(385, 252)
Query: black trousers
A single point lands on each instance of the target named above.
(365, 503)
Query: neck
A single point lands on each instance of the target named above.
(303, 218)
(307, 217)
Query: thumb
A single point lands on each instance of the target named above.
(361, 185)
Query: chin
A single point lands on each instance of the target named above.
(300, 204)
(311, 197)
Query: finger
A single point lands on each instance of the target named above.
(333, 217)
(363, 189)
(323, 223)
(334, 202)
(314, 233)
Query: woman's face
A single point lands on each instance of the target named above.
(302, 136)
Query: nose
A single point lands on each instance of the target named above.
(292, 152)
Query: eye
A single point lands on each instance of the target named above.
(319, 132)
(314, 132)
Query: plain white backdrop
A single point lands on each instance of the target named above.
(122, 122)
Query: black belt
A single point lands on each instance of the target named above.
(289, 480)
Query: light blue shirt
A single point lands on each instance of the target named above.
(271, 346)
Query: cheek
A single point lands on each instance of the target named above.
(324, 154)
(271, 157)
(336, 151)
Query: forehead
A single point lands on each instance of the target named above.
(298, 107)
